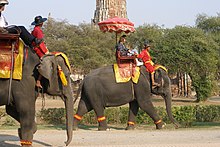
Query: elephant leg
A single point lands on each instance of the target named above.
(25, 106)
(34, 130)
(101, 119)
(12, 111)
(83, 107)
(147, 106)
(133, 110)
(27, 125)
(98, 107)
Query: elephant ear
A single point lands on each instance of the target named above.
(45, 68)
(48, 69)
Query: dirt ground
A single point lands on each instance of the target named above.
(120, 138)
(117, 136)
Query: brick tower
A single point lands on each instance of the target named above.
(109, 8)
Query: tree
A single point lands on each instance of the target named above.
(190, 50)
(211, 26)
(86, 46)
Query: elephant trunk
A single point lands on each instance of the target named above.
(69, 119)
(168, 98)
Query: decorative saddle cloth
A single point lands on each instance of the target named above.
(157, 66)
(126, 72)
(64, 57)
(6, 55)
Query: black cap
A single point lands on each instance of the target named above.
(146, 43)
(123, 36)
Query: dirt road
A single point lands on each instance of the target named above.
(120, 138)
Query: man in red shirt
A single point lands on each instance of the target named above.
(148, 63)
(41, 49)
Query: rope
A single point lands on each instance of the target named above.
(11, 72)
(132, 88)
(43, 97)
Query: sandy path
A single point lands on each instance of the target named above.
(120, 138)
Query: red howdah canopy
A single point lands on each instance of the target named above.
(117, 25)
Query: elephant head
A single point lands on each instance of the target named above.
(53, 84)
(165, 91)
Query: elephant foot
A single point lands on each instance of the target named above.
(75, 128)
(102, 128)
(160, 125)
(130, 127)
(35, 129)
(75, 125)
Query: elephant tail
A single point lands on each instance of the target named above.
(78, 91)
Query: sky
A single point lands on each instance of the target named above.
(167, 13)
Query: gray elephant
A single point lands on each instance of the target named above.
(99, 90)
(21, 103)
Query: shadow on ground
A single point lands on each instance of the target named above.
(5, 139)
(95, 127)
(9, 141)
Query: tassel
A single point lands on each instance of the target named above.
(62, 76)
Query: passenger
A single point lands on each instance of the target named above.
(148, 63)
(27, 38)
(40, 50)
(121, 48)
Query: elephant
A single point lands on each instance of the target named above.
(99, 90)
(21, 104)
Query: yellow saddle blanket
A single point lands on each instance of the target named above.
(157, 66)
(6, 65)
(64, 57)
(126, 73)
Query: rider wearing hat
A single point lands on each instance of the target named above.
(40, 50)
(121, 46)
(38, 33)
(148, 63)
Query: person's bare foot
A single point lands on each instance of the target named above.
(38, 84)
(154, 85)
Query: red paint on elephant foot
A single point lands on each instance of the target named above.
(130, 125)
(160, 125)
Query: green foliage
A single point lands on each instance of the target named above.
(9, 122)
(185, 115)
(211, 26)
(86, 46)
(6, 120)
(192, 50)
(203, 87)
(52, 115)
(116, 115)
(2, 113)
(207, 113)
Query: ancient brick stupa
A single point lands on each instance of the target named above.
(108, 9)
